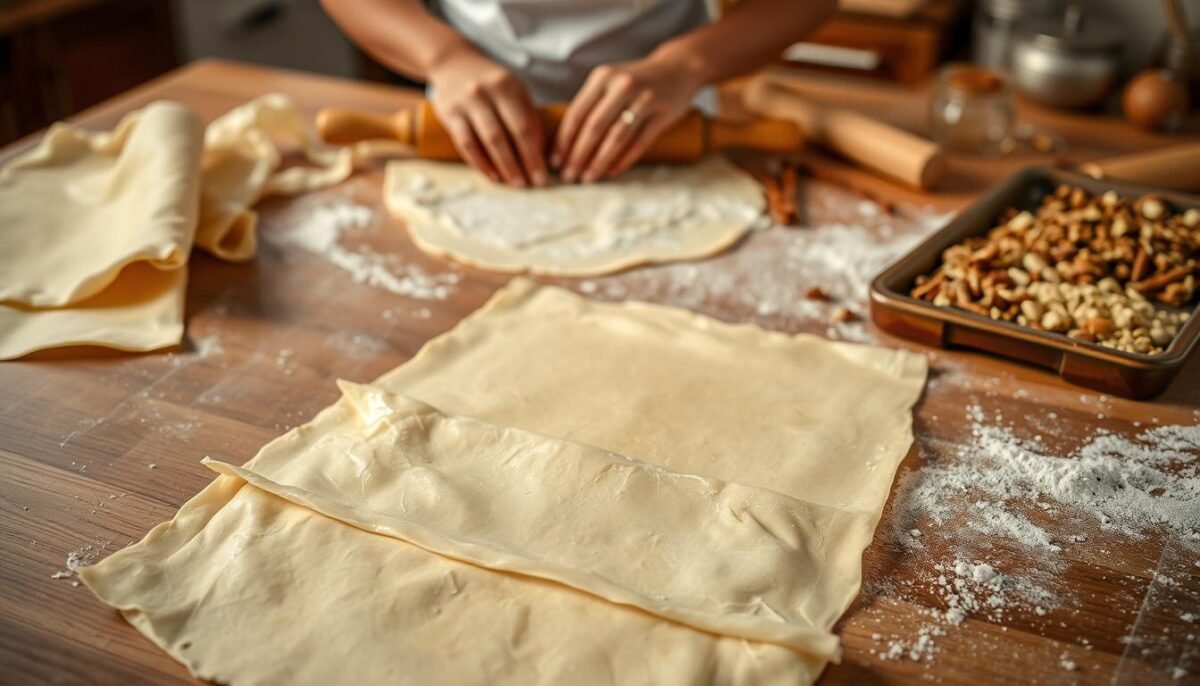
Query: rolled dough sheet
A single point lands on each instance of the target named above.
(722, 557)
(248, 589)
(818, 422)
(86, 218)
(823, 422)
(649, 214)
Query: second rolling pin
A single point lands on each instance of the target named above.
(884, 148)
(686, 141)
(1176, 167)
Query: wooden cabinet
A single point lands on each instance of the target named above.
(58, 57)
(907, 48)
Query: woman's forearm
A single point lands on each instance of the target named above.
(749, 35)
(401, 34)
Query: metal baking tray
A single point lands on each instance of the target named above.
(1130, 375)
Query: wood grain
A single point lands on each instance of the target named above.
(97, 447)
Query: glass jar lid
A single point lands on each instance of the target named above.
(972, 79)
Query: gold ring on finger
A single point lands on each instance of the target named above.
(628, 117)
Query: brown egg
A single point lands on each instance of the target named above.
(1156, 99)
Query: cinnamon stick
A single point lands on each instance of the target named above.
(1164, 279)
(787, 191)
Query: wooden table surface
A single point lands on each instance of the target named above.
(97, 446)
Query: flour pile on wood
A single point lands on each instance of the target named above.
(1056, 507)
(1132, 485)
(318, 223)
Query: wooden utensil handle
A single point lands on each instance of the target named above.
(1176, 167)
(347, 127)
(685, 141)
(871, 143)
(764, 135)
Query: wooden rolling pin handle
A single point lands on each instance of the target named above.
(1176, 167)
(347, 127)
(882, 147)
(764, 135)
(687, 140)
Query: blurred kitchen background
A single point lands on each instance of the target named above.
(60, 56)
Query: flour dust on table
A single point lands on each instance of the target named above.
(322, 224)
(1045, 508)
(650, 214)
(844, 242)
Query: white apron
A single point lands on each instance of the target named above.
(552, 45)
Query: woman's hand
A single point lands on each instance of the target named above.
(619, 112)
(488, 113)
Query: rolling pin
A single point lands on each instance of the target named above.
(1176, 168)
(686, 141)
(884, 148)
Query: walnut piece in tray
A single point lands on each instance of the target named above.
(1115, 271)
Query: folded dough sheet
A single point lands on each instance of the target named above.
(555, 491)
(96, 227)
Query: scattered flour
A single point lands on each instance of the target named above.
(202, 348)
(355, 346)
(972, 589)
(1018, 490)
(923, 647)
(284, 361)
(208, 346)
(996, 520)
(317, 223)
(1132, 485)
(770, 271)
(84, 557)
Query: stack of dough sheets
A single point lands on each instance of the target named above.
(96, 227)
(556, 491)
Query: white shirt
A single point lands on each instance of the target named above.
(552, 45)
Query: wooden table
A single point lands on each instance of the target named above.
(96, 446)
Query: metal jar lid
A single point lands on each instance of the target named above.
(1075, 33)
(1014, 10)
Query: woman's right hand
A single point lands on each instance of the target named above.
(491, 118)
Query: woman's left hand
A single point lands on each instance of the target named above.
(619, 112)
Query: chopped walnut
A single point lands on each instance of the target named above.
(1105, 269)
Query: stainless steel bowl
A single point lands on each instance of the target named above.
(1068, 62)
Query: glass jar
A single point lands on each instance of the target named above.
(972, 110)
(995, 27)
